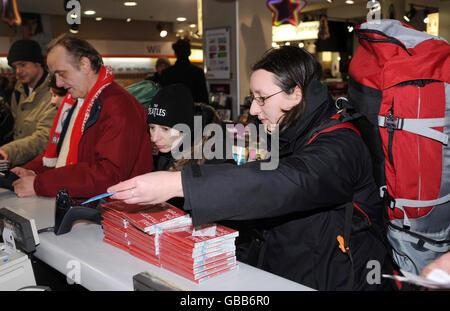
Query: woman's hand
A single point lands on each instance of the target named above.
(442, 263)
(150, 188)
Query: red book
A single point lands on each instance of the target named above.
(185, 250)
(131, 230)
(150, 218)
(197, 261)
(115, 244)
(146, 247)
(110, 228)
(143, 255)
(116, 220)
(184, 236)
(199, 268)
(198, 279)
(116, 238)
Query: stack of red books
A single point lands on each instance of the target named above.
(198, 257)
(137, 233)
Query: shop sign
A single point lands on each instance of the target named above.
(304, 31)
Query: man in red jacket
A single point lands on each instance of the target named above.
(104, 139)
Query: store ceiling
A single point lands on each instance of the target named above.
(154, 10)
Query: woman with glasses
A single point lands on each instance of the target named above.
(297, 202)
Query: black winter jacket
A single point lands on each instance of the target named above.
(188, 74)
(298, 201)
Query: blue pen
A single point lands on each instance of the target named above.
(98, 197)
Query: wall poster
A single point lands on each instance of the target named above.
(217, 53)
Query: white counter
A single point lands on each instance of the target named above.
(83, 255)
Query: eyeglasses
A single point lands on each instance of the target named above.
(260, 100)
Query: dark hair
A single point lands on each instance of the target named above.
(60, 91)
(182, 48)
(162, 61)
(292, 66)
(209, 116)
(208, 113)
(77, 48)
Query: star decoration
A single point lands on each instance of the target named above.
(285, 11)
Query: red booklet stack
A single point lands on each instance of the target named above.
(196, 256)
(137, 233)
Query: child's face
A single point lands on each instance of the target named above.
(56, 99)
(163, 137)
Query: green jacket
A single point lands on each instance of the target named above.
(33, 119)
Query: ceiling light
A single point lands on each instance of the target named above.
(330, 1)
(181, 19)
(410, 14)
(89, 12)
(74, 28)
(98, 18)
(128, 19)
(301, 45)
(192, 25)
(162, 31)
(130, 3)
(349, 1)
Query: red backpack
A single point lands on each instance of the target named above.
(400, 84)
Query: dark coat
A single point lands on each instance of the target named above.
(297, 201)
(191, 76)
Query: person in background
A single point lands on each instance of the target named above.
(173, 105)
(6, 118)
(161, 64)
(184, 72)
(30, 104)
(9, 89)
(105, 136)
(58, 93)
(4, 81)
(63, 103)
(298, 200)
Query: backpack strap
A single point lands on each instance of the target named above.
(335, 122)
(400, 203)
(422, 127)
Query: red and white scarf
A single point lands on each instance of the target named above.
(51, 155)
(105, 78)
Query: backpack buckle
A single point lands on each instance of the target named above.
(392, 122)
(387, 198)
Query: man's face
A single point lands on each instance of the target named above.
(68, 75)
(29, 27)
(27, 72)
